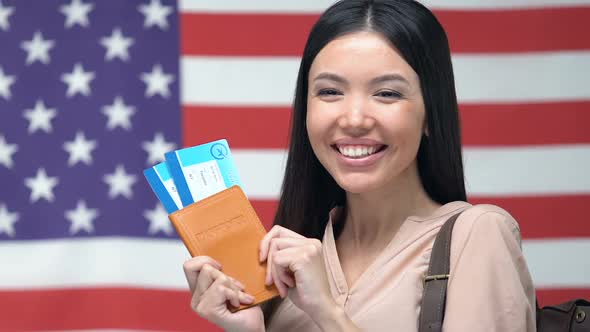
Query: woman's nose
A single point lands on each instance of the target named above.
(356, 119)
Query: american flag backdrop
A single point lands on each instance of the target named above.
(93, 92)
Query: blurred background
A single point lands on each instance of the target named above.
(93, 92)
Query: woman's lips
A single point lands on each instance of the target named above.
(356, 160)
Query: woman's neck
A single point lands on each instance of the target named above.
(373, 218)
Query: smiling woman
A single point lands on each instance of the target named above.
(373, 172)
(364, 126)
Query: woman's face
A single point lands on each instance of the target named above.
(365, 112)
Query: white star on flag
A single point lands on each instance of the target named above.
(81, 218)
(155, 14)
(157, 148)
(78, 81)
(37, 49)
(117, 45)
(158, 218)
(120, 183)
(80, 149)
(118, 114)
(40, 117)
(76, 13)
(7, 220)
(6, 152)
(5, 13)
(41, 186)
(5, 82)
(157, 82)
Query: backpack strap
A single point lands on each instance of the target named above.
(432, 310)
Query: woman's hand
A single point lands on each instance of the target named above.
(211, 289)
(296, 266)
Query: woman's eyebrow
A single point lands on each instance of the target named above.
(376, 80)
(331, 77)
(389, 77)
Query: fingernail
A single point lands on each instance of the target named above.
(267, 281)
(250, 298)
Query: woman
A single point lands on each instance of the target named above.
(374, 170)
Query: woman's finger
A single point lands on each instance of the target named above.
(217, 292)
(193, 266)
(275, 232)
(283, 261)
(281, 287)
(279, 274)
(223, 290)
(286, 277)
(268, 278)
(237, 297)
(277, 244)
(287, 259)
(238, 283)
(232, 295)
(207, 276)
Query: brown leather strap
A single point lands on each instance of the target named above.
(435, 283)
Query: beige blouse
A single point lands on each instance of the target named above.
(490, 288)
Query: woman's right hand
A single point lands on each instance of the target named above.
(211, 289)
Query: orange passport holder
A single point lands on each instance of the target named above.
(225, 227)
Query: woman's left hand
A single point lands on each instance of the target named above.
(296, 266)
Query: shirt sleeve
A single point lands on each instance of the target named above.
(490, 287)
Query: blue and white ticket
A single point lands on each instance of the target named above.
(163, 186)
(203, 170)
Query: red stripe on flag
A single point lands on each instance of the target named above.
(123, 308)
(517, 30)
(512, 124)
(555, 296)
(546, 217)
(244, 34)
(469, 31)
(105, 308)
(243, 127)
(538, 216)
(265, 209)
(526, 124)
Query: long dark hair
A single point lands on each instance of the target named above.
(309, 192)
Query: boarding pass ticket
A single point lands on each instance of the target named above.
(203, 170)
(163, 185)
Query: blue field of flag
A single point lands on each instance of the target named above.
(203, 170)
(163, 186)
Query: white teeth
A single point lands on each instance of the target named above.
(357, 151)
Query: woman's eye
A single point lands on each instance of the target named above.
(329, 92)
(388, 94)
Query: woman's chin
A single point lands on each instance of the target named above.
(358, 185)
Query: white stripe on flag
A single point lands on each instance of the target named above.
(123, 262)
(317, 6)
(92, 262)
(551, 262)
(531, 170)
(532, 77)
(512, 171)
